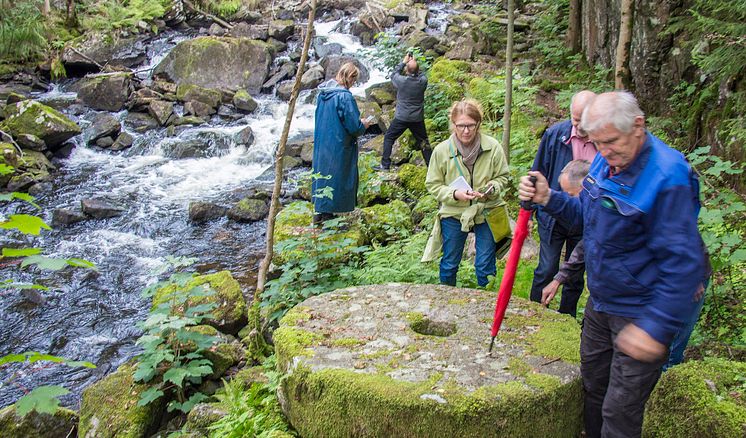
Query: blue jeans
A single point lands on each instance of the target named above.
(681, 338)
(550, 250)
(453, 248)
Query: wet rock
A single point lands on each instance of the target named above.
(34, 424)
(382, 94)
(230, 313)
(217, 62)
(99, 47)
(105, 142)
(333, 63)
(306, 153)
(323, 48)
(277, 46)
(187, 120)
(285, 89)
(198, 109)
(32, 142)
(281, 30)
(216, 30)
(286, 71)
(64, 150)
(249, 210)
(245, 136)
(34, 118)
(291, 162)
(109, 407)
(421, 40)
(100, 208)
(189, 92)
(243, 101)
(66, 216)
(123, 141)
(312, 77)
(202, 211)
(105, 91)
(140, 122)
(418, 352)
(161, 111)
(294, 147)
(14, 97)
(103, 125)
(252, 32)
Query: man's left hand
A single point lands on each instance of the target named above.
(638, 344)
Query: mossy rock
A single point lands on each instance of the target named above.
(229, 315)
(109, 408)
(223, 356)
(413, 179)
(203, 415)
(34, 424)
(420, 367)
(246, 376)
(386, 222)
(425, 210)
(191, 92)
(698, 399)
(294, 222)
(32, 117)
(105, 91)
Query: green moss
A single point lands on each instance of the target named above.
(519, 367)
(543, 381)
(698, 398)
(291, 342)
(377, 355)
(223, 356)
(31, 117)
(413, 179)
(35, 424)
(109, 408)
(459, 301)
(557, 336)
(347, 342)
(296, 315)
(338, 403)
(246, 376)
(230, 312)
(189, 92)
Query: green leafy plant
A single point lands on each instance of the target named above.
(388, 51)
(253, 411)
(116, 14)
(21, 31)
(172, 361)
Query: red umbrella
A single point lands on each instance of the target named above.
(506, 284)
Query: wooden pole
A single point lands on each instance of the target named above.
(279, 155)
(508, 80)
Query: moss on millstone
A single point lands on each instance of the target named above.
(341, 403)
(294, 222)
(109, 408)
(31, 117)
(413, 179)
(34, 424)
(698, 398)
(386, 222)
(229, 315)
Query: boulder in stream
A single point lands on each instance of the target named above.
(109, 408)
(218, 62)
(103, 125)
(203, 211)
(100, 208)
(59, 425)
(105, 91)
(31, 117)
(411, 360)
(249, 210)
(243, 101)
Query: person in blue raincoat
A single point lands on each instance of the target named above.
(335, 151)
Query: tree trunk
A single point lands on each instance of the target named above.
(508, 81)
(621, 71)
(45, 9)
(572, 39)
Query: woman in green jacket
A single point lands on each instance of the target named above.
(480, 160)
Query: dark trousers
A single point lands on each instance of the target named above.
(616, 385)
(396, 129)
(550, 250)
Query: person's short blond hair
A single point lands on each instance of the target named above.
(468, 107)
(347, 75)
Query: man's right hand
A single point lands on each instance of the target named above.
(538, 193)
(549, 291)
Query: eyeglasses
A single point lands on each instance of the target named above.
(470, 127)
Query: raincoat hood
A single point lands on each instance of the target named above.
(330, 89)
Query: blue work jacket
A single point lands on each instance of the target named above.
(643, 250)
(553, 155)
(337, 126)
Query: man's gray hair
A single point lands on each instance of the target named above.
(576, 170)
(617, 108)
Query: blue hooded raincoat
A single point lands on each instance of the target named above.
(337, 126)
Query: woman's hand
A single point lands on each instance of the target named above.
(466, 195)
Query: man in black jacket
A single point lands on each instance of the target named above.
(561, 143)
(410, 110)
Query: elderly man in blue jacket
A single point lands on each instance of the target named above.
(644, 259)
(561, 143)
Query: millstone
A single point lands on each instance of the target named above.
(411, 360)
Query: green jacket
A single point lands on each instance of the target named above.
(490, 167)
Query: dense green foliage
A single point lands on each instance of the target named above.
(172, 361)
(115, 14)
(22, 31)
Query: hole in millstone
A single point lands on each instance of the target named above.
(426, 326)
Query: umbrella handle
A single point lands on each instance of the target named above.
(529, 205)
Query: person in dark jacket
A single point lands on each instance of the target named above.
(337, 126)
(410, 110)
(644, 259)
(560, 144)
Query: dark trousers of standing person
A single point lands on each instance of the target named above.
(396, 129)
(550, 250)
(616, 386)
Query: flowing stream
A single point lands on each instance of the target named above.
(92, 315)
